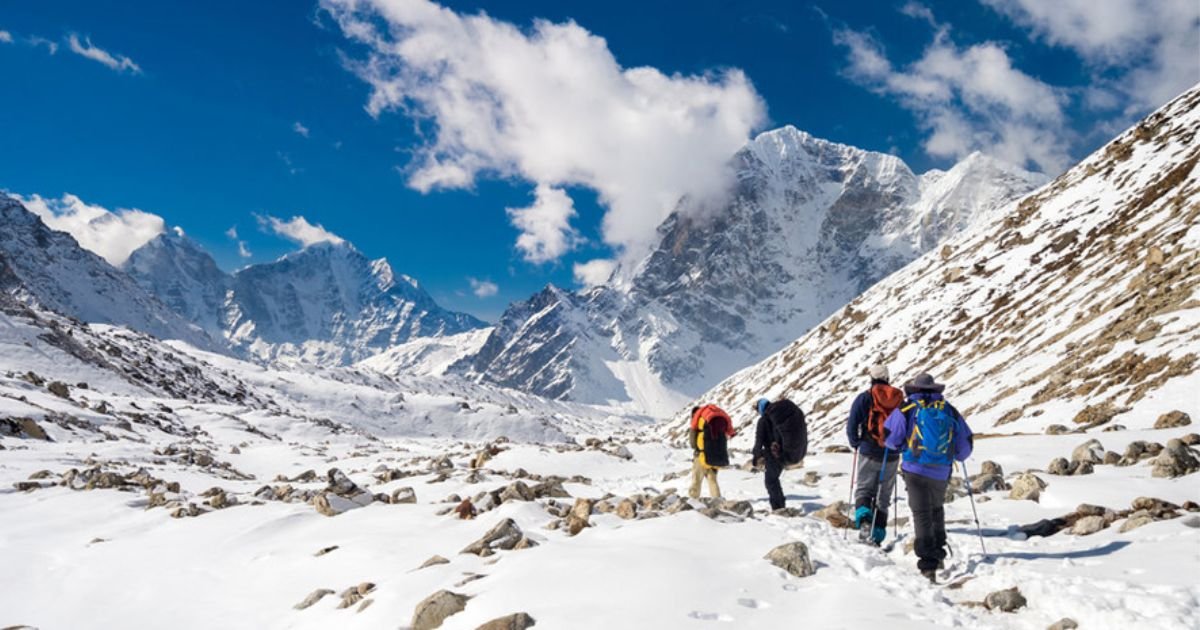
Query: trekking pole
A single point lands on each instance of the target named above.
(896, 508)
(879, 493)
(853, 487)
(978, 529)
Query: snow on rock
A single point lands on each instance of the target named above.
(1079, 302)
(810, 225)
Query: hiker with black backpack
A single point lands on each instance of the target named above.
(709, 435)
(875, 465)
(780, 440)
(932, 435)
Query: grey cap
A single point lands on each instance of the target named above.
(879, 373)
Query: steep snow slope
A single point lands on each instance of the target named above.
(810, 225)
(1076, 304)
(49, 268)
(327, 304)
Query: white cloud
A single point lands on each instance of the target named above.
(299, 128)
(6, 37)
(232, 233)
(111, 235)
(968, 99)
(545, 226)
(51, 47)
(120, 63)
(551, 105)
(594, 272)
(243, 250)
(483, 288)
(298, 229)
(1153, 45)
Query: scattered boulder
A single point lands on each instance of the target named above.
(1088, 525)
(1136, 520)
(835, 514)
(517, 621)
(60, 389)
(627, 509)
(404, 495)
(504, 536)
(1008, 600)
(987, 482)
(466, 510)
(578, 518)
(325, 550)
(1057, 429)
(313, 598)
(517, 491)
(330, 504)
(1176, 460)
(1112, 458)
(23, 428)
(990, 467)
(434, 561)
(793, 558)
(355, 594)
(1059, 466)
(1190, 439)
(1095, 415)
(1027, 487)
(436, 608)
(1090, 451)
(1066, 623)
(1172, 420)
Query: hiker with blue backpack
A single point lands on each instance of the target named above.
(874, 465)
(932, 435)
(780, 440)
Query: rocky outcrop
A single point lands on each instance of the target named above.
(1172, 420)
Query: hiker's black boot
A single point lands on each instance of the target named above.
(931, 575)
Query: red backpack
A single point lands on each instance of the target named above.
(714, 435)
(884, 399)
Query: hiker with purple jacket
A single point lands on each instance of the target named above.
(932, 435)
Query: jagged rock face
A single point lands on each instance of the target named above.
(329, 304)
(809, 226)
(326, 304)
(184, 277)
(1080, 299)
(48, 268)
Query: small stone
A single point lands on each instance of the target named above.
(466, 510)
(1088, 525)
(517, 621)
(436, 608)
(313, 598)
(990, 467)
(793, 558)
(1066, 623)
(1082, 468)
(1112, 458)
(1172, 419)
(626, 509)
(1136, 520)
(435, 560)
(325, 550)
(1027, 487)
(404, 495)
(1059, 466)
(835, 514)
(1008, 600)
(366, 603)
(1190, 439)
(505, 535)
(1057, 429)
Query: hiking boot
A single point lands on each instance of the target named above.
(930, 575)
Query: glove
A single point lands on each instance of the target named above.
(854, 443)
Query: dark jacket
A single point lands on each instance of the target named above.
(856, 427)
(900, 425)
(763, 436)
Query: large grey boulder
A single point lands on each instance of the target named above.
(1090, 451)
(1027, 487)
(1176, 460)
(793, 558)
(435, 609)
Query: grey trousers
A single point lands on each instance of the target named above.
(867, 486)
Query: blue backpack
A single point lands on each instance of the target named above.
(931, 442)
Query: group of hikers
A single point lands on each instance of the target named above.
(914, 431)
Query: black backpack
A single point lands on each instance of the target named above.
(790, 430)
(716, 442)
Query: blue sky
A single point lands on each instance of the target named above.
(220, 114)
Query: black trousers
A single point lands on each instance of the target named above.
(774, 468)
(927, 498)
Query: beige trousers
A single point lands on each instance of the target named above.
(700, 472)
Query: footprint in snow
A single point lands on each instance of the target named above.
(709, 616)
(749, 602)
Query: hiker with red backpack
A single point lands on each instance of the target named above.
(780, 440)
(875, 465)
(932, 435)
(709, 435)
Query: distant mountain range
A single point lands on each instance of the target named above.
(810, 225)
